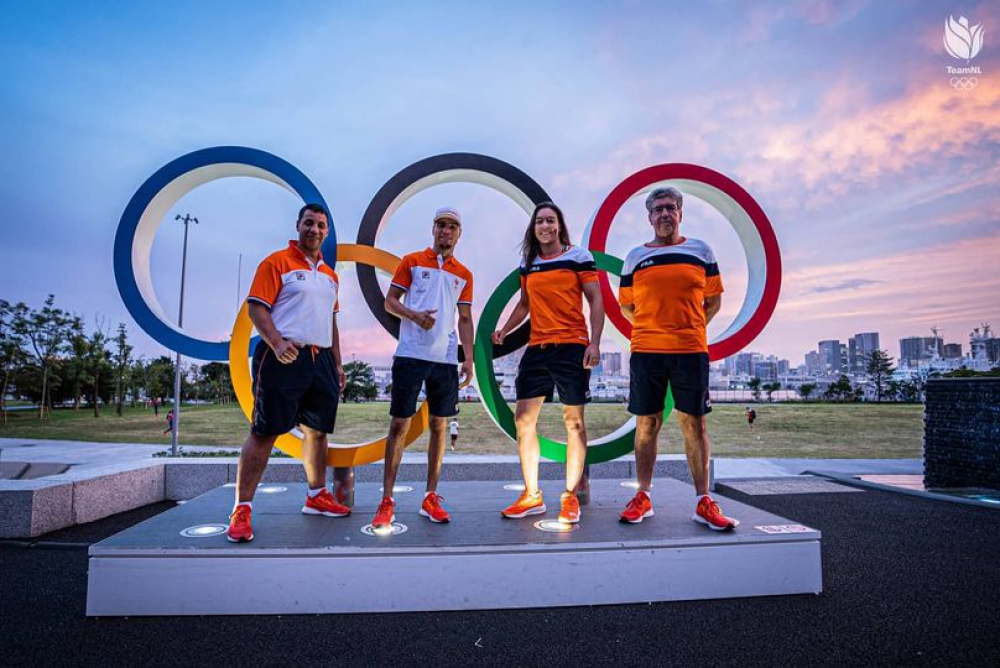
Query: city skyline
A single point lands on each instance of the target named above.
(879, 177)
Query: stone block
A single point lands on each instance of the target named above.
(99, 494)
(186, 478)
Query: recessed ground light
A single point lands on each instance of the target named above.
(271, 489)
(397, 529)
(514, 487)
(555, 526)
(631, 484)
(398, 489)
(204, 530)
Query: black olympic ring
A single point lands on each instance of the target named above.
(444, 168)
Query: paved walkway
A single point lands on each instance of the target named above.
(85, 455)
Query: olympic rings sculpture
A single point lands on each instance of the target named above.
(161, 191)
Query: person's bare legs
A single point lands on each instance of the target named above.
(253, 460)
(526, 418)
(697, 448)
(435, 451)
(314, 456)
(576, 445)
(393, 453)
(647, 428)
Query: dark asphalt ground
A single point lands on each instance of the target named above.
(907, 581)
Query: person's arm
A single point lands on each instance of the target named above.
(337, 360)
(712, 306)
(592, 292)
(466, 335)
(628, 310)
(393, 305)
(517, 316)
(286, 351)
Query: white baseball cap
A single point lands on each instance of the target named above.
(448, 213)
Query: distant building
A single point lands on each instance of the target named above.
(916, 349)
(766, 371)
(952, 351)
(611, 364)
(831, 356)
(859, 350)
(814, 364)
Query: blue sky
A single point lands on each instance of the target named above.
(879, 177)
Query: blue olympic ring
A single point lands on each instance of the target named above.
(145, 212)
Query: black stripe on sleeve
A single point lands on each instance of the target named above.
(712, 269)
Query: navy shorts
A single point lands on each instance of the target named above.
(439, 380)
(305, 392)
(685, 373)
(553, 366)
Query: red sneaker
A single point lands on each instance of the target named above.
(384, 516)
(432, 510)
(526, 504)
(710, 514)
(638, 509)
(324, 504)
(570, 511)
(240, 530)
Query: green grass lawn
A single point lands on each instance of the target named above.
(782, 430)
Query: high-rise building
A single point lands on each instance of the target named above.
(831, 355)
(744, 363)
(765, 370)
(952, 351)
(916, 349)
(611, 364)
(859, 351)
(814, 365)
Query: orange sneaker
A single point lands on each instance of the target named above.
(710, 514)
(432, 510)
(570, 511)
(638, 509)
(526, 504)
(384, 516)
(324, 504)
(240, 530)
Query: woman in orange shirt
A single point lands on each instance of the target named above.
(555, 276)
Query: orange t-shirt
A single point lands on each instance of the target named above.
(667, 286)
(555, 296)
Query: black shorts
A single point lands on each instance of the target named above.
(306, 392)
(441, 381)
(685, 373)
(554, 366)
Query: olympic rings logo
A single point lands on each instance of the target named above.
(963, 83)
(146, 209)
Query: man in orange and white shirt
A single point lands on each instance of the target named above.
(436, 288)
(670, 290)
(297, 371)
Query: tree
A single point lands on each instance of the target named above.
(754, 384)
(879, 370)
(771, 388)
(97, 364)
(46, 331)
(360, 381)
(841, 390)
(75, 369)
(160, 377)
(122, 363)
(216, 381)
(12, 355)
(805, 389)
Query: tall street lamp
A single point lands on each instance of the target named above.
(186, 219)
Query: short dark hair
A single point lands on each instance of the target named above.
(315, 208)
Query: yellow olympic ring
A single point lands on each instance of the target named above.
(341, 455)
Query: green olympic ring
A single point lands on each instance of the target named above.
(604, 449)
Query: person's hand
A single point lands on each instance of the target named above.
(426, 318)
(286, 351)
(341, 378)
(465, 373)
(592, 356)
(498, 337)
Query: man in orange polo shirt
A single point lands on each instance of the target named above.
(670, 290)
(297, 371)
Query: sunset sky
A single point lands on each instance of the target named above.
(882, 180)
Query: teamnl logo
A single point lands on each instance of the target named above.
(963, 42)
